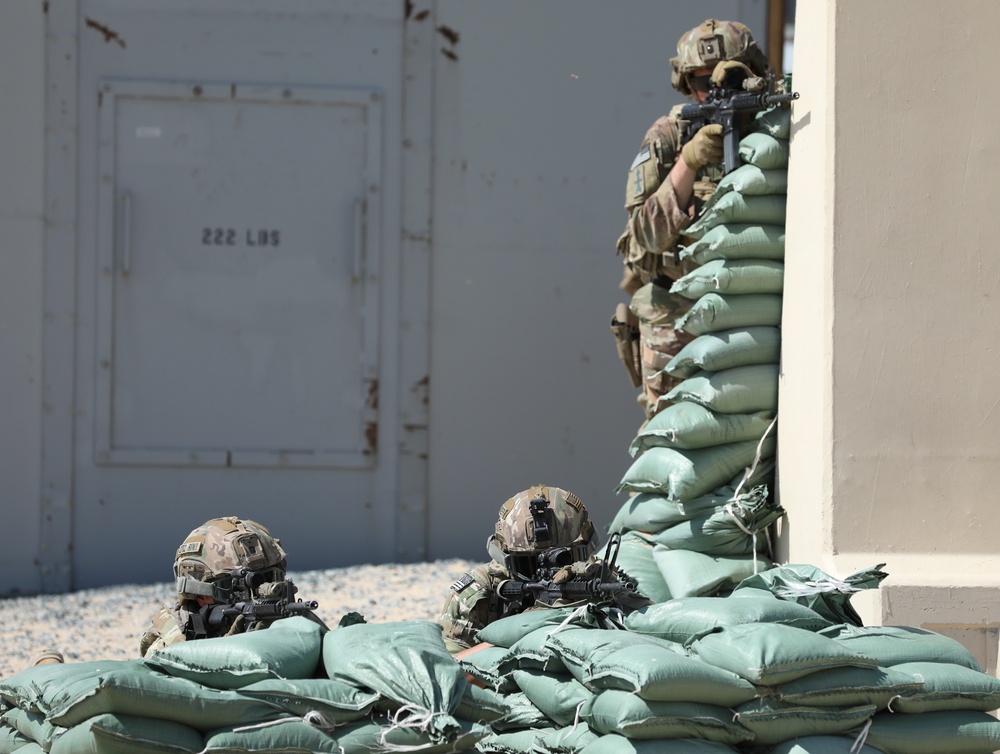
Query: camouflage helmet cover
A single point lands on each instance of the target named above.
(540, 519)
(208, 555)
(709, 44)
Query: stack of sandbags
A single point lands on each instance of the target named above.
(293, 687)
(745, 673)
(690, 458)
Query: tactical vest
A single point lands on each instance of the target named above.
(650, 168)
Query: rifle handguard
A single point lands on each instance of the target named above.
(572, 590)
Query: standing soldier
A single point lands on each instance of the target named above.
(667, 186)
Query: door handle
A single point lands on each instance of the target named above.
(359, 240)
(126, 233)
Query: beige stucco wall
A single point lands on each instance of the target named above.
(890, 387)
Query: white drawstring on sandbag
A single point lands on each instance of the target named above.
(859, 742)
(731, 508)
(413, 717)
(756, 459)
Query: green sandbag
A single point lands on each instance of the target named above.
(689, 425)
(850, 687)
(683, 475)
(732, 277)
(32, 726)
(520, 713)
(366, 738)
(656, 671)
(133, 688)
(686, 619)
(507, 631)
(289, 648)
(633, 717)
(532, 652)
(697, 574)
(11, 739)
(25, 688)
(736, 209)
(774, 722)
(296, 737)
(127, 734)
(615, 744)
(751, 180)
(635, 560)
(338, 702)
(713, 352)
(958, 732)
(480, 705)
(740, 390)
(737, 529)
(770, 654)
(736, 241)
(764, 151)
(823, 745)
(777, 122)
(942, 687)
(568, 740)
(405, 662)
(714, 312)
(514, 742)
(651, 513)
(808, 585)
(895, 645)
(578, 649)
(558, 697)
(484, 666)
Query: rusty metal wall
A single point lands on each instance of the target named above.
(512, 132)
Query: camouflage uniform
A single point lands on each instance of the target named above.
(654, 232)
(203, 566)
(538, 520)
(474, 603)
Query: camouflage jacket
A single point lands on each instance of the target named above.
(164, 629)
(474, 603)
(656, 222)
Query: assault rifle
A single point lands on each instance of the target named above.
(518, 596)
(725, 105)
(257, 602)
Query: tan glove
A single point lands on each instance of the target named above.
(580, 570)
(724, 69)
(705, 148)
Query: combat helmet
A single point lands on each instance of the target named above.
(542, 521)
(205, 560)
(710, 43)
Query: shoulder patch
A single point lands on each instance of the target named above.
(462, 582)
(640, 158)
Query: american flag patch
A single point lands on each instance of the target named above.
(463, 581)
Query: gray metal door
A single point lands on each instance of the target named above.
(237, 299)
(236, 215)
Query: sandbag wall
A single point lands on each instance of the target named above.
(750, 672)
(745, 673)
(295, 687)
(696, 522)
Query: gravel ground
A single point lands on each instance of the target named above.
(106, 623)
